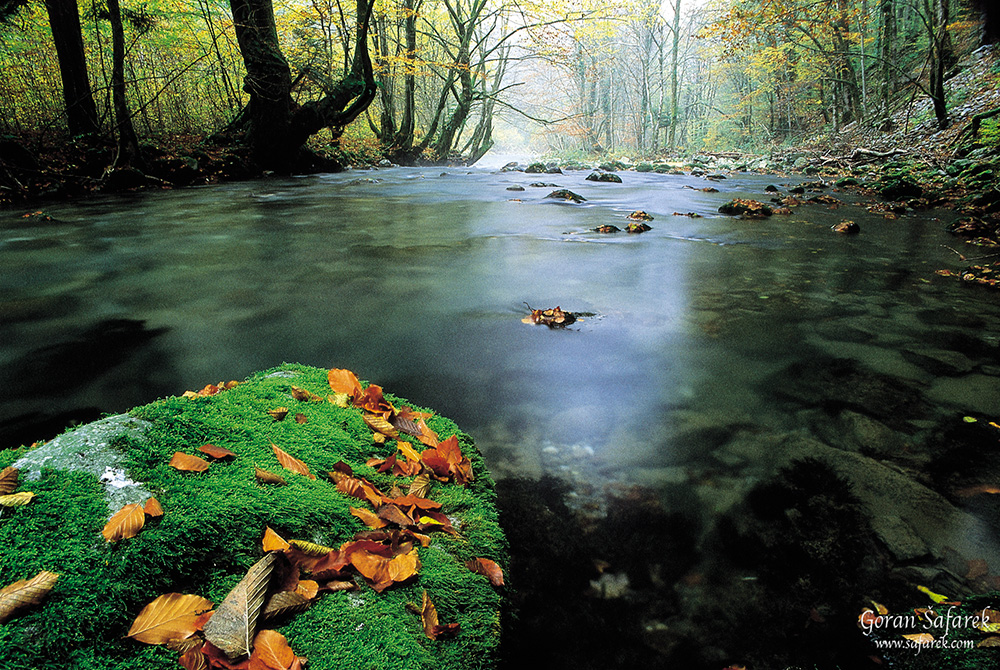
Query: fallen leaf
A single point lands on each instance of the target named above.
(936, 597)
(920, 638)
(216, 452)
(380, 424)
(218, 659)
(880, 608)
(301, 418)
(420, 486)
(368, 517)
(16, 499)
(125, 523)
(991, 641)
(267, 477)
(234, 624)
(283, 604)
(289, 462)
(991, 621)
(279, 413)
(173, 616)
(8, 479)
(310, 548)
(488, 568)
(302, 394)
(25, 593)
(344, 381)
(273, 541)
(429, 617)
(187, 462)
(308, 588)
(193, 659)
(152, 508)
(187, 644)
(271, 652)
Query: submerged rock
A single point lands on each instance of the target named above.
(750, 209)
(566, 194)
(213, 523)
(604, 177)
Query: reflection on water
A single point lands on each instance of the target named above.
(711, 338)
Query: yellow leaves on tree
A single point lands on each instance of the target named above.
(173, 616)
(25, 593)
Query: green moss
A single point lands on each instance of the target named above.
(211, 533)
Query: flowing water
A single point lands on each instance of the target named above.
(417, 279)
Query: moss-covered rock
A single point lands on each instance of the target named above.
(898, 187)
(749, 209)
(212, 529)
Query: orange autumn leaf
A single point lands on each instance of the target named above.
(488, 568)
(125, 523)
(187, 462)
(429, 617)
(215, 452)
(303, 395)
(193, 659)
(404, 566)
(427, 436)
(173, 616)
(920, 638)
(380, 424)
(407, 450)
(368, 517)
(307, 588)
(344, 381)
(289, 462)
(271, 652)
(152, 508)
(273, 541)
(372, 400)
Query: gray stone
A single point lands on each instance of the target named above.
(939, 361)
(899, 538)
(970, 393)
(88, 449)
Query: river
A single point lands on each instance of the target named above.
(704, 334)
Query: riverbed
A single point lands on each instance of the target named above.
(708, 342)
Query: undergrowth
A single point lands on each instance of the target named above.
(211, 533)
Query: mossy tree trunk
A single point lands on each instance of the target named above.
(277, 128)
(128, 143)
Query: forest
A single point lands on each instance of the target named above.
(108, 88)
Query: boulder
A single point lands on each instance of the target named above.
(605, 177)
(898, 187)
(214, 521)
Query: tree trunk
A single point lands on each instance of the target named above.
(81, 112)
(674, 104)
(940, 54)
(278, 129)
(404, 138)
(128, 143)
(888, 51)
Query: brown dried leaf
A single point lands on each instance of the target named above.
(271, 652)
(187, 644)
(173, 616)
(302, 394)
(344, 381)
(216, 452)
(380, 424)
(273, 541)
(234, 624)
(267, 477)
(152, 508)
(187, 462)
(289, 462)
(8, 480)
(25, 593)
(991, 641)
(307, 588)
(490, 569)
(368, 517)
(421, 486)
(279, 413)
(193, 659)
(283, 604)
(429, 617)
(301, 418)
(125, 523)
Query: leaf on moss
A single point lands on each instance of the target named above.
(268, 477)
(380, 424)
(189, 643)
(427, 436)
(307, 588)
(216, 452)
(279, 413)
(310, 548)
(368, 517)
(217, 659)
(420, 486)
(173, 616)
(920, 638)
(271, 652)
(289, 462)
(273, 541)
(344, 381)
(488, 568)
(125, 523)
(16, 499)
(283, 604)
(429, 617)
(152, 508)
(991, 641)
(303, 395)
(8, 480)
(301, 418)
(187, 462)
(25, 593)
(234, 624)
